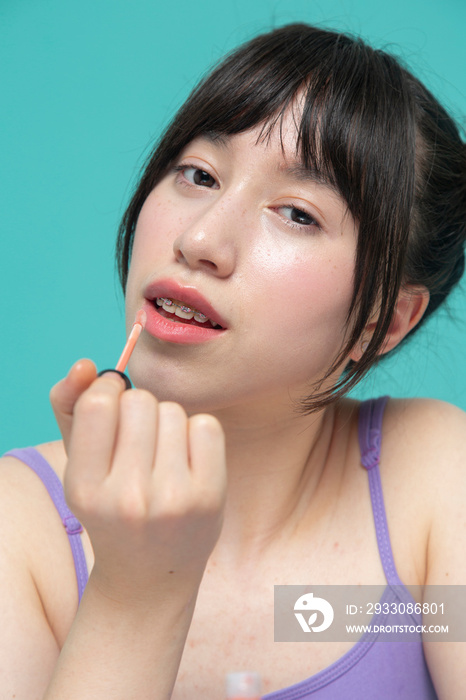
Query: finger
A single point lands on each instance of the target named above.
(207, 456)
(93, 433)
(65, 393)
(135, 447)
(171, 455)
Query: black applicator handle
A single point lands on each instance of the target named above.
(124, 376)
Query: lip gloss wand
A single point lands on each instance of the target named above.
(136, 330)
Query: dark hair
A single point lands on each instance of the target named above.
(374, 132)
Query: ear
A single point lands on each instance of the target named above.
(410, 307)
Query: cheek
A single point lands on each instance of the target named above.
(325, 289)
(150, 239)
(155, 227)
(306, 286)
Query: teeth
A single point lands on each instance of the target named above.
(169, 306)
(182, 311)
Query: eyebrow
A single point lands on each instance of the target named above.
(216, 137)
(302, 173)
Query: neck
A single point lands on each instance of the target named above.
(275, 475)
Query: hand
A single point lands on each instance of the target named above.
(147, 482)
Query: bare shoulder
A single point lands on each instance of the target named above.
(20, 489)
(27, 512)
(435, 432)
(429, 434)
(429, 439)
(420, 413)
(423, 467)
(35, 546)
(34, 566)
(422, 471)
(53, 452)
(23, 497)
(423, 452)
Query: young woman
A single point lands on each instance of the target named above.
(302, 215)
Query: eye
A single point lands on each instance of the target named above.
(298, 216)
(196, 176)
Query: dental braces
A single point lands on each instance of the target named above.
(198, 316)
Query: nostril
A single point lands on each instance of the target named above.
(178, 255)
(203, 262)
(209, 264)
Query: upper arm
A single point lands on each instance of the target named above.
(28, 648)
(445, 435)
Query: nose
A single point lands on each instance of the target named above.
(209, 242)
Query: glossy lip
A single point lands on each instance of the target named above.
(173, 331)
(187, 295)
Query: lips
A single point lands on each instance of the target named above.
(186, 296)
(178, 327)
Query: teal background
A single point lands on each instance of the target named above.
(86, 87)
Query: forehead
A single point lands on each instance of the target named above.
(280, 132)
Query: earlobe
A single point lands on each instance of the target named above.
(410, 307)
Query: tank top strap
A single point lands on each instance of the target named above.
(370, 442)
(38, 464)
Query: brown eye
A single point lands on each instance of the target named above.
(298, 216)
(199, 177)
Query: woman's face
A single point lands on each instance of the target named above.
(240, 232)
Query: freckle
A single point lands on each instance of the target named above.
(170, 572)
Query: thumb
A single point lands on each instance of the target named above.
(64, 395)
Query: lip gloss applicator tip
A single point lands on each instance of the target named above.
(138, 325)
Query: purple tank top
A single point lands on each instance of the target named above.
(370, 670)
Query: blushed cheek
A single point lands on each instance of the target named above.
(155, 228)
(307, 285)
